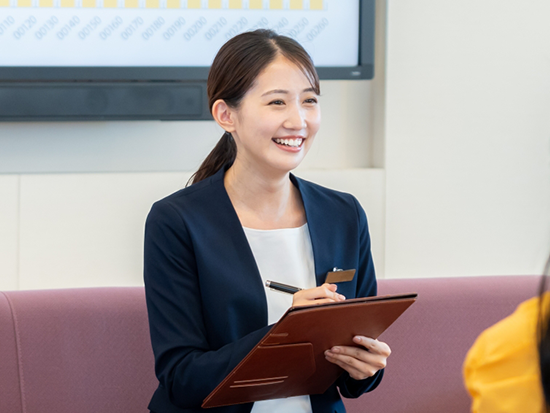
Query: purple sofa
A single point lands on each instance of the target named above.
(88, 350)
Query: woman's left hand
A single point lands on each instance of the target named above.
(360, 363)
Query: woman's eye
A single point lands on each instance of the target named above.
(276, 102)
(311, 100)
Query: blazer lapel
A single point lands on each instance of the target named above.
(319, 230)
(246, 261)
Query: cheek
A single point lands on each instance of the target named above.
(254, 129)
(270, 126)
(262, 122)
(314, 121)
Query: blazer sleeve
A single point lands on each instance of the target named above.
(185, 363)
(366, 287)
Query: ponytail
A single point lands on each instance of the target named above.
(223, 153)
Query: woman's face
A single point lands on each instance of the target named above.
(277, 119)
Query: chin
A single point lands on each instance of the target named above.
(287, 166)
(284, 163)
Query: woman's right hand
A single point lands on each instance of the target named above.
(326, 293)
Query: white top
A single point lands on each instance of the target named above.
(286, 256)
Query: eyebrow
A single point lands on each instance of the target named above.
(275, 91)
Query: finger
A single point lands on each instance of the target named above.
(353, 372)
(358, 371)
(352, 364)
(301, 300)
(322, 301)
(329, 291)
(353, 352)
(373, 346)
(356, 357)
(297, 303)
(324, 291)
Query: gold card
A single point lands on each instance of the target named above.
(339, 276)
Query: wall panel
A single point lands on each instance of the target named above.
(467, 138)
(84, 230)
(9, 227)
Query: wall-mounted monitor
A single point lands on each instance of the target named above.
(149, 59)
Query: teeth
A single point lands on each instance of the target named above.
(289, 142)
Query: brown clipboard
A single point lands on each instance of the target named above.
(289, 360)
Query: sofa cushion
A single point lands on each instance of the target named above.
(88, 350)
(430, 340)
(82, 350)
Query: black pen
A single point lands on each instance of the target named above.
(284, 288)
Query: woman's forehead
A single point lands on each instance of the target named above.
(281, 76)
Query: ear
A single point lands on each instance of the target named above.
(224, 115)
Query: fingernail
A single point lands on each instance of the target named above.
(342, 297)
(358, 339)
(335, 349)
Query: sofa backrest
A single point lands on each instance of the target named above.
(75, 350)
(88, 350)
(430, 340)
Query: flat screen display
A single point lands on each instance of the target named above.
(167, 32)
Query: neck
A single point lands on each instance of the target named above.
(264, 202)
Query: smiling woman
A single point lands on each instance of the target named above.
(211, 247)
(236, 69)
(275, 123)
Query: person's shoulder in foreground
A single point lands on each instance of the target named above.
(501, 370)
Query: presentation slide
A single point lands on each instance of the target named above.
(167, 32)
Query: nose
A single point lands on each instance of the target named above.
(296, 119)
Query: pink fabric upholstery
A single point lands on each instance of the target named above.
(88, 350)
(430, 341)
(10, 394)
(78, 350)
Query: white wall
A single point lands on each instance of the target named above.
(467, 137)
(80, 230)
(9, 231)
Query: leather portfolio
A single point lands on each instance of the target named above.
(289, 360)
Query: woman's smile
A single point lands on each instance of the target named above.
(290, 143)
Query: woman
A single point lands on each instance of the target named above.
(210, 247)
(543, 337)
(508, 367)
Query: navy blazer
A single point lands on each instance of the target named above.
(205, 297)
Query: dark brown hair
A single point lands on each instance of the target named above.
(233, 72)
